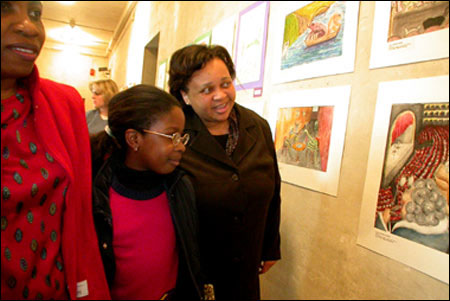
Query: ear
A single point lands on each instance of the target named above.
(185, 98)
(132, 139)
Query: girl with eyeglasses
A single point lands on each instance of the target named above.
(144, 207)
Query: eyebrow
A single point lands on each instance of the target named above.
(210, 83)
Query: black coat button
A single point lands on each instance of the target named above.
(235, 177)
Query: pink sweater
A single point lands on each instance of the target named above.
(144, 245)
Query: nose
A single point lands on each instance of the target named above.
(220, 94)
(180, 147)
(25, 26)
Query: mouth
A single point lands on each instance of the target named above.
(175, 161)
(25, 51)
(221, 109)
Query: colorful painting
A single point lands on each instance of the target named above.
(409, 189)
(251, 46)
(309, 129)
(303, 135)
(315, 38)
(411, 18)
(409, 31)
(313, 32)
(413, 195)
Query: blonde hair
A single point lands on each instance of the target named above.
(106, 87)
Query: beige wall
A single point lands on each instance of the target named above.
(71, 68)
(320, 257)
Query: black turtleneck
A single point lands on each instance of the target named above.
(137, 185)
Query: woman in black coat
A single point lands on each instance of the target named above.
(232, 164)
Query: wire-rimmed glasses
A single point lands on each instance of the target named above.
(176, 137)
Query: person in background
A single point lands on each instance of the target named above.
(144, 207)
(232, 164)
(102, 92)
(48, 240)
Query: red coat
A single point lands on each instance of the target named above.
(61, 127)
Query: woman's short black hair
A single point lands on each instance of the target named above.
(185, 61)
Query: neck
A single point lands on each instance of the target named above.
(217, 129)
(103, 111)
(9, 87)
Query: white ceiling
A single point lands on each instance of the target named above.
(98, 22)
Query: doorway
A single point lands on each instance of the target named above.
(150, 61)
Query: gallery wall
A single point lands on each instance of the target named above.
(321, 257)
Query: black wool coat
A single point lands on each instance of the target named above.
(191, 279)
(238, 201)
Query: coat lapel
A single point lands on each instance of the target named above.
(246, 139)
(204, 143)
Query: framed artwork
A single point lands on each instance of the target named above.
(162, 70)
(409, 31)
(223, 34)
(314, 39)
(309, 131)
(204, 39)
(404, 213)
(250, 49)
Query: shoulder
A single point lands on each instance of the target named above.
(59, 90)
(91, 114)
(52, 87)
(249, 117)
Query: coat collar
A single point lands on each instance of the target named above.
(204, 143)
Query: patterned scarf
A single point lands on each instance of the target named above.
(233, 136)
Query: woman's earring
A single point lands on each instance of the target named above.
(136, 148)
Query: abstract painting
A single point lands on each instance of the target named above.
(309, 130)
(409, 31)
(321, 32)
(406, 193)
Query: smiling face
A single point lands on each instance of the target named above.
(23, 35)
(211, 94)
(155, 152)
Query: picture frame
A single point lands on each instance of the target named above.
(303, 161)
(391, 47)
(405, 160)
(250, 47)
(312, 43)
(223, 34)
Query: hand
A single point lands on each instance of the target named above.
(266, 265)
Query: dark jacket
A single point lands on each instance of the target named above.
(190, 282)
(238, 200)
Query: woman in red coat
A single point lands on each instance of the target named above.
(232, 163)
(48, 241)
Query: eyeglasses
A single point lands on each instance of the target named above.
(176, 138)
